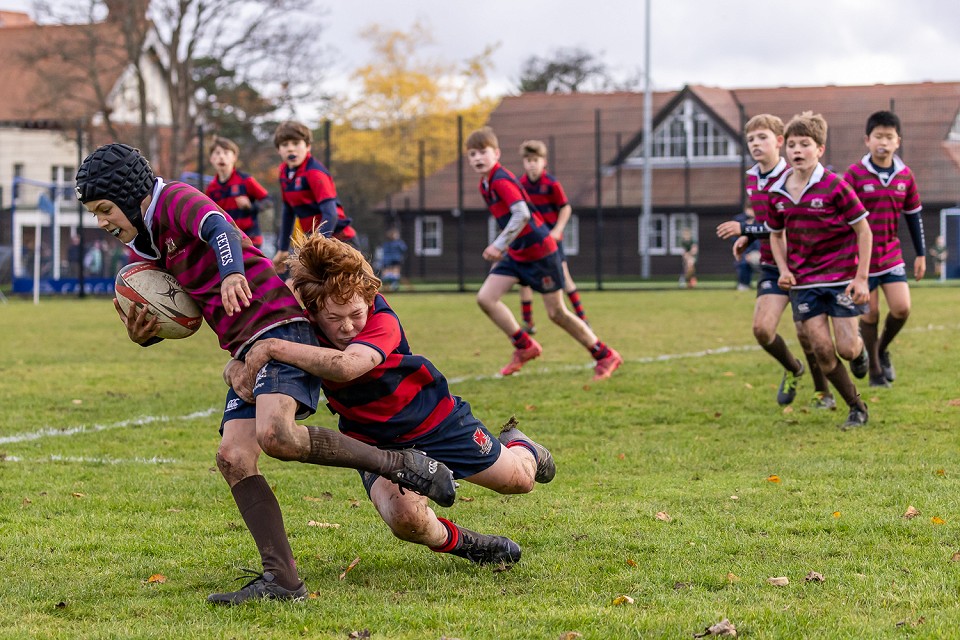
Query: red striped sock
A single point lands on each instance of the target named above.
(520, 340)
(453, 537)
(526, 308)
(577, 305)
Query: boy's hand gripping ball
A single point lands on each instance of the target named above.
(145, 284)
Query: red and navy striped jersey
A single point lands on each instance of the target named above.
(310, 196)
(175, 217)
(547, 196)
(400, 399)
(225, 194)
(758, 192)
(885, 199)
(821, 246)
(501, 190)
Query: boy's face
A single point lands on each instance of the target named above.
(482, 160)
(764, 146)
(883, 142)
(293, 152)
(534, 166)
(803, 152)
(341, 322)
(112, 220)
(224, 160)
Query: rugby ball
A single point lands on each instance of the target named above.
(146, 285)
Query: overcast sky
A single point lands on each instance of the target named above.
(728, 43)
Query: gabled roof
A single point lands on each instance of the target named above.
(54, 73)
(567, 123)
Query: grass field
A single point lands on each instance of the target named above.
(107, 479)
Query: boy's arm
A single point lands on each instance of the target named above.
(325, 194)
(224, 239)
(519, 217)
(859, 289)
(563, 217)
(329, 364)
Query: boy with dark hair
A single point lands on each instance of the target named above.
(550, 201)
(309, 194)
(887, 188)
(764, 134)
(524, 253)
(243, 301)
(236, 192)
(390, 397)
(821, 243)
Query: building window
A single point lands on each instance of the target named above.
(428, 236)
(683, 228)
(64, 177)
(657, 237)
(571, 236)
(689, 134)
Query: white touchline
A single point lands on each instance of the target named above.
(51, 432)
(88, 460)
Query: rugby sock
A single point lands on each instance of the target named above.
(261, 513)
(599, 351)
(453, 537)
(526, 308)
(333, 449)
(576, 304)
(891, 327)
(520, 340)
(868, 332)
(781, 353)
(820, 382)
(526, 445)
(844, 385)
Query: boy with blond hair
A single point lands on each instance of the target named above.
(236, 192)
(548, 198)
(524, 253)
(764, 134)
(821, 242)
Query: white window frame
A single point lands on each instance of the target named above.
(571, 236)
(688, 134)
(421, 235)
(656, 220)
(679, 221)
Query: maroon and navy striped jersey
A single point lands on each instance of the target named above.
(821, 246)
(547, 197)
(758, 193)
(885, 199)
(402, 398)
(175, 216)
(501, 190)
(307, 191)
(225, 194)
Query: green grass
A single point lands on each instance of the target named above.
(88, 516)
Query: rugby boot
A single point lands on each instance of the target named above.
(481, 548)
(260, 587)
(522, 356)
(546, 468)
(424, 475)
(823, 400)
(857, 418)
(607, 365)
(788, 386)
(888, 371)
(860, 365)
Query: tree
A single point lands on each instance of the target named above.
(570, 71)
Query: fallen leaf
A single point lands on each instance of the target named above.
(313, 595)
(467, 499)
(631, 562)
(911, 512)
(354, 503)
(530, 407)
(954, 403)
(621, 456)
(77, 401)
(323, 525)
(748, 385)
(729, 374)
(677, 586)
(773, 478)
(782, 581)
(955, 557)
(936, 520)
(586, 387)
(174, 510)
(732, 577)
(813, 576)
(734, 497)
(836, 514)
(570, 635)
(622, 600)
(663, 516)
(904, 623)
(717, 414)
(364, 633)
(355, 562)
(940, 472)
(27, 501)
(61, 605)
(157, 578)
(77, 494)
(788, 409)
(722, 628)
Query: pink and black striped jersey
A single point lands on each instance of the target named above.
(885, 199)
(225, 194)
(758, 193)
(547, 197)
(175, 216)
(500, 191)
(403, 397)
(307, 190)
(821, 246)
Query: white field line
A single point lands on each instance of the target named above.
(89, 460)
(49, 432)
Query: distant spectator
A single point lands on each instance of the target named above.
(938, 252)
(394, 252)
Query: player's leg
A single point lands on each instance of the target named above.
(766, 318)
(526, 309)
(822, 397)
(570, 287)
(848, 345)
(607, 358)
(490, 299)
(868, 332)
(897, 295)
(237, 461)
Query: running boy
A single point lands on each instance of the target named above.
(821, 243)
(524, 253)
(549, 200)
(764, 133)
(309, 194)
(392, 398)
(886, 187)
(235, 192)
(243, 301)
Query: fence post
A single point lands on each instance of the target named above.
(81, 293)
(461, 225)
(598, 241)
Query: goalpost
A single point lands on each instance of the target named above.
(950, 232)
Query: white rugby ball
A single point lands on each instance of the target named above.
(146, 285)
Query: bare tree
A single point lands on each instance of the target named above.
(570, 71)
